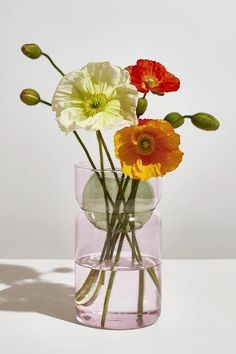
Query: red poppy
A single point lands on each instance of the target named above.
(149, 75)
(143, 121)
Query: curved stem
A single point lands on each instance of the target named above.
(87, 286)
(45, 102)
(97, 290)
(92, 164)
(183, 117)
(85, 150)
(53, 64)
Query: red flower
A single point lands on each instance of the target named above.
(149, 75)
(143, 121)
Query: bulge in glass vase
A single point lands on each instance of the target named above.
(94, 205)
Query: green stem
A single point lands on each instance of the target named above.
(132, 227)
(115, 215)
(86, 153)
(141, 292)
(97, 290)
(87, 286)
(132, 224)
(103, 179)
(129, 203)
(85, 150)
(176, 122)
(45, 102)
(53, 64)
(107, 298)
(153, 276)
(138, 256)
(108, 156)
(151, 271)
(128, 206)
(110, 283)
(92, 164)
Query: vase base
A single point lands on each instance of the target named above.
(117, 320)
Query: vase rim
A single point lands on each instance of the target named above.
(85, 165)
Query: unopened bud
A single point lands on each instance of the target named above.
(31, 50)
(142, 106)
(30, 97)
(175, 119)
(205, 121)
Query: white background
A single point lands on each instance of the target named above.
(195, 40)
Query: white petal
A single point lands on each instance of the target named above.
(95, 78)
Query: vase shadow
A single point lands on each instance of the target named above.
(26, 292)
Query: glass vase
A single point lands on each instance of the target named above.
(117, 249)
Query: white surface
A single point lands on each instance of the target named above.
(195, 40)
(198, 313)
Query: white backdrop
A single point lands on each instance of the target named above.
(195, 40)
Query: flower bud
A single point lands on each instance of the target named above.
(31, 50)
(175, 119)
(30, 97)
(205, 121)
(142, 106)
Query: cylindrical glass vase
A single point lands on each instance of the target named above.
(118, 249)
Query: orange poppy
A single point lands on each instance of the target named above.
(148, 150)
(149, 75)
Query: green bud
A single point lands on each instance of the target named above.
(142, 106)
(31, 50)
(175, 119)
(205, 121)
(30, 97)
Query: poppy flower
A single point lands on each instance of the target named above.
(99, 96)
(148, 150)
(149, 75)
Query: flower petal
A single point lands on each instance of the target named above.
(159, 155)
(103, 83)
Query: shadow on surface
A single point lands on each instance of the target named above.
(26, 292)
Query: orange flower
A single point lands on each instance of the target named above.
(148, 150)
(149, 75)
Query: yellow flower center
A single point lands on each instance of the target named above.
(94, 104)
(151, 81)
(145, 144)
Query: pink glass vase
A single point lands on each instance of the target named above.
(118, 249)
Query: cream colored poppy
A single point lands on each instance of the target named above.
(99, 96)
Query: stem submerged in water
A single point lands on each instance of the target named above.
(141, 292)
(110, 283)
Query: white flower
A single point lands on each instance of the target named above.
(99, 96)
